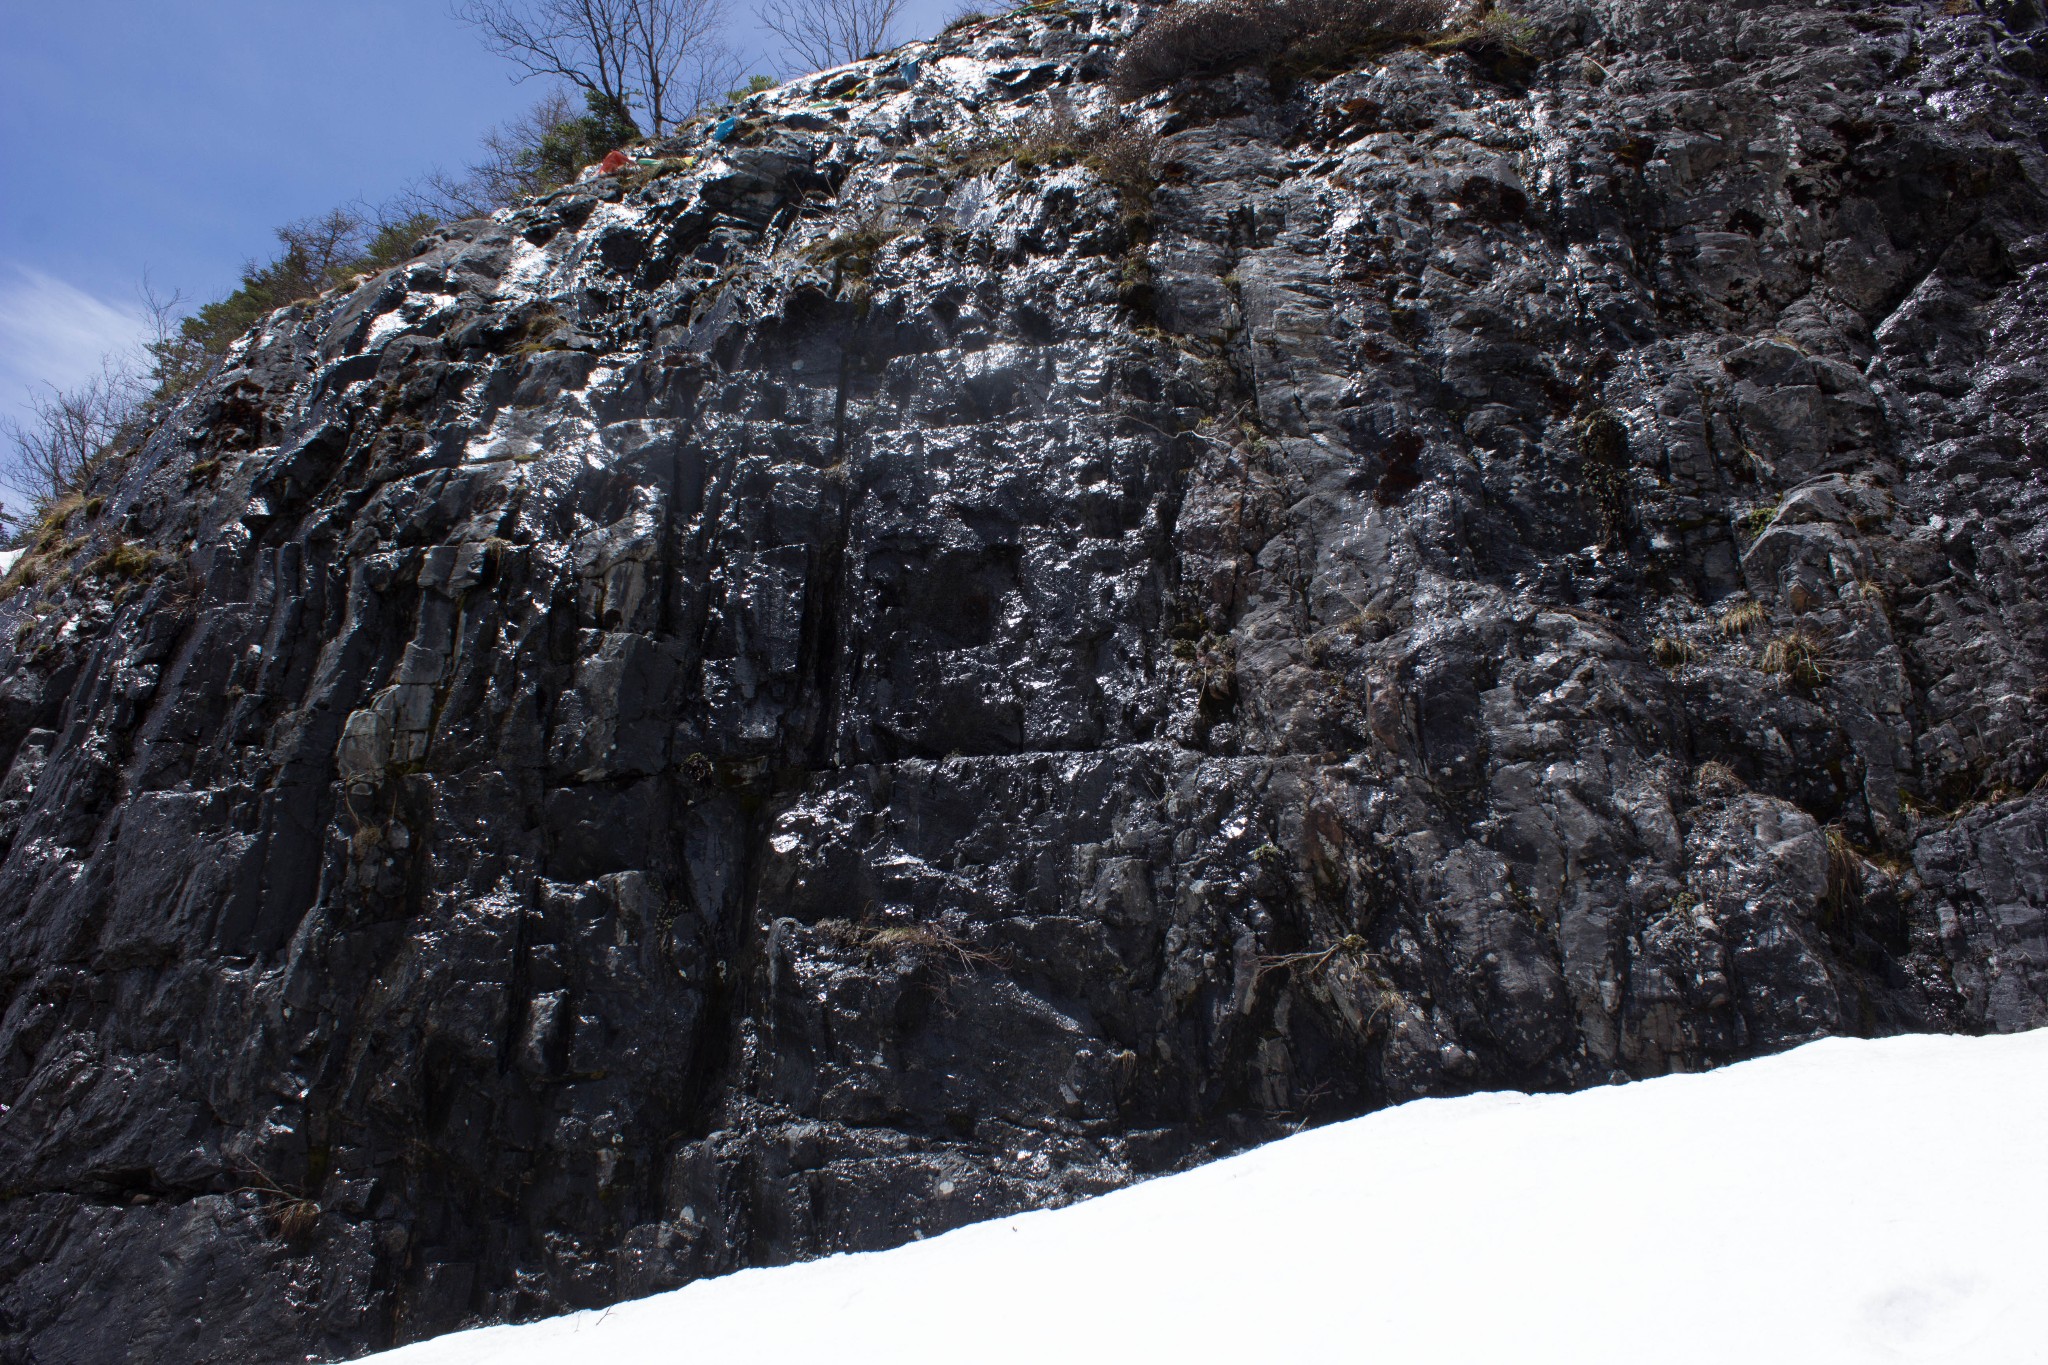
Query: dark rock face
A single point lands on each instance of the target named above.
(803, 700)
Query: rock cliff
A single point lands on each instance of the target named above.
(953, 642)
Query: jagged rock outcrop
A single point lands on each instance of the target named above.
(850, 682)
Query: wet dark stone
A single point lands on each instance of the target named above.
(768, 709)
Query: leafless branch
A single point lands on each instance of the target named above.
(584, 42)
(675, 47)
(66, 431)
(657, 58)
(514, 165)
(163, 311)
(825, 33)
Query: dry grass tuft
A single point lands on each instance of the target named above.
(852, 253)
(1845, 881)
(293, 1215)
(55, 520)
(1668, 651)
(902, 940)
(1501, 41)
(1120, 151)
(1312, 962)
(1743, 617)
(296, 1219)
(1715, 778)
(1799, 658)
(124, 560)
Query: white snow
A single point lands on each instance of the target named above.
(529, 265)
(1845, 1201)
(386, 325)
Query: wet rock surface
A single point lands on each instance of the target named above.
(839, 685)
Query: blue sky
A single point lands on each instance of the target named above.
(171, 137)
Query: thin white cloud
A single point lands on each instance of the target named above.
(56, 333)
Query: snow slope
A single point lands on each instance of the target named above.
(1846, 1201)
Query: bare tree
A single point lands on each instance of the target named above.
(656, 57)
(67, 430)
(579, 41)
(526, 156)
(822, 33)
(49, 455)
(318, 246)
(678, 59)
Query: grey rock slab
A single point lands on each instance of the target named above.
(829, 692)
